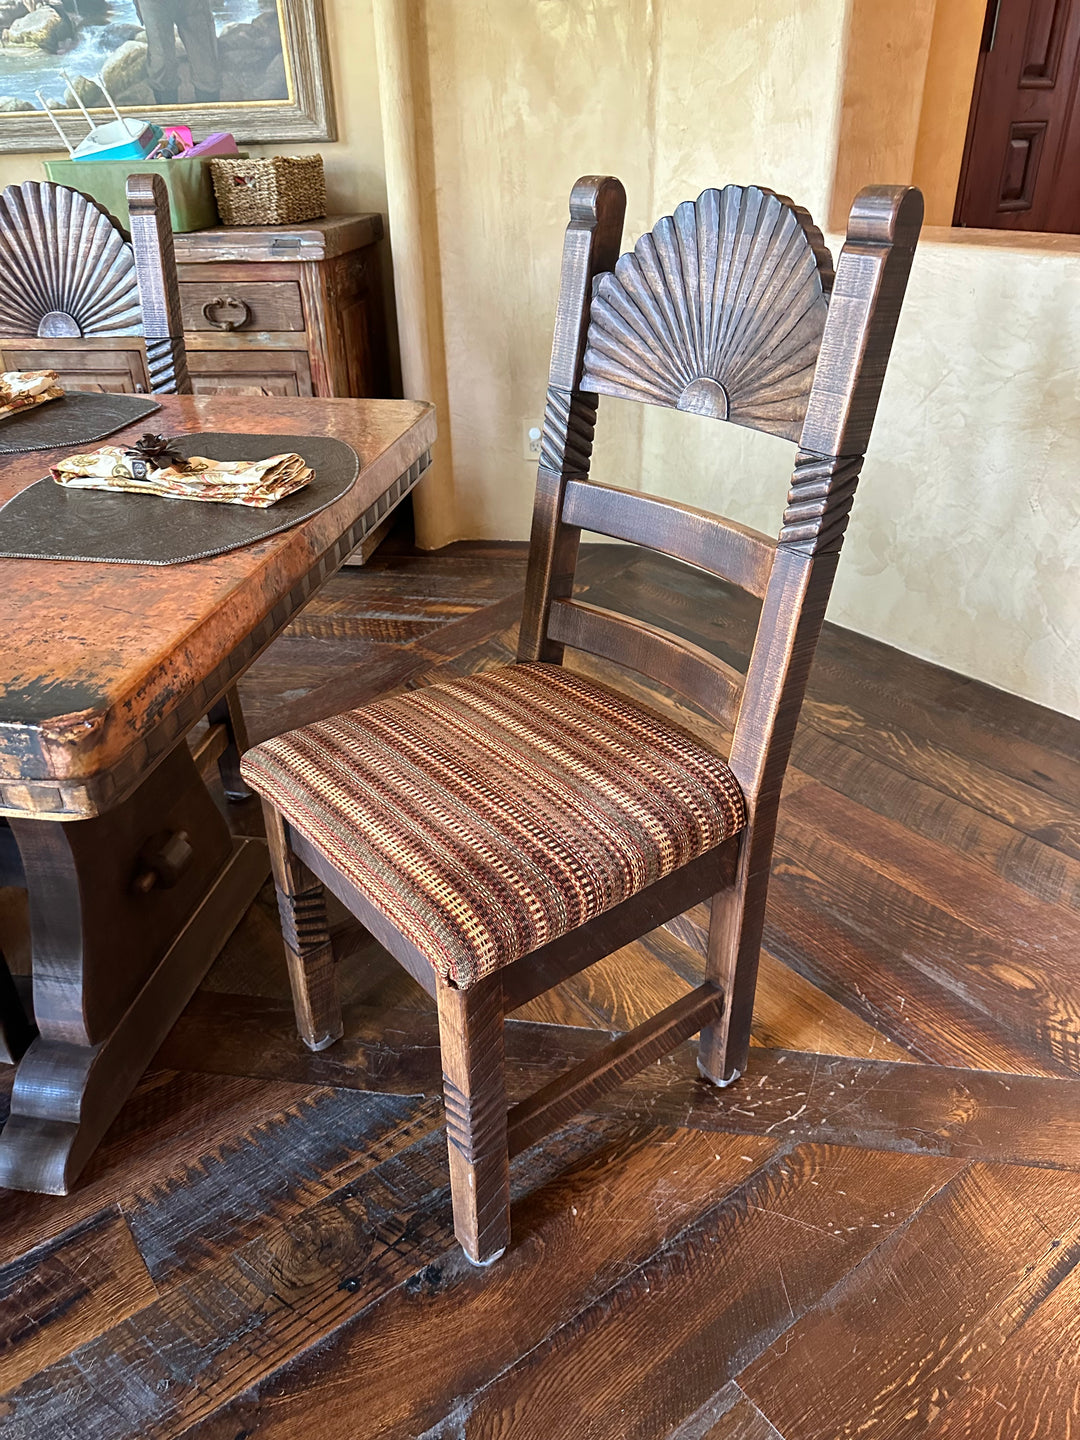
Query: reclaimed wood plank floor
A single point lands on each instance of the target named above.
(875, 1233)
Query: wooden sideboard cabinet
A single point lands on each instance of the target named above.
(268, 310)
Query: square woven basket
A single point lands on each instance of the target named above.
(280, 190)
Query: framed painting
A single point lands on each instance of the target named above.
(259, 68)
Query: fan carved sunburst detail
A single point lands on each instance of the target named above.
(65, 266)
(719, 310)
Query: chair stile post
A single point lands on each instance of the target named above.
(159, 291)
(871, 279)
(591, 246)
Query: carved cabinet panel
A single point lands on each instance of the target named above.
(114, 365)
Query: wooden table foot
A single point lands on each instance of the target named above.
(127, 911)
(66, 1096)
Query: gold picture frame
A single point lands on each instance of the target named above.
(297, 99)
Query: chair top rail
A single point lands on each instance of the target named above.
(723, 547)
(66, 268)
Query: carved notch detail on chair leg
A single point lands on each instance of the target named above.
(474, 1091)
(312, 973)
(305, 929)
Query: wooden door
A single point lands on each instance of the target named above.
(1023, 143)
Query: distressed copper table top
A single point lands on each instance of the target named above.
(104, 667)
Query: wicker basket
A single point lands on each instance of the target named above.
(281, 190)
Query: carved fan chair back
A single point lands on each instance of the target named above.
(500, 833)
(67, 273)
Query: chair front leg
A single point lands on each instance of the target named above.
(731, 962)
(474, 1090)
(306, 932)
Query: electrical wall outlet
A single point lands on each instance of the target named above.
(530, 439)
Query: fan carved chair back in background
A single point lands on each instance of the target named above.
(73, 288)
(500, 833)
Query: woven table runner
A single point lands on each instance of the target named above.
(81, 417)
(47, 521)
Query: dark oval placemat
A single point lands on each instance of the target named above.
(47, 521)
(81, 417)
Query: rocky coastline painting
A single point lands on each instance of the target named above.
(256, 67)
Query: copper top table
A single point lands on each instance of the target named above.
(134, 880)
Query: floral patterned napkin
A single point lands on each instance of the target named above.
(260, 483)
(23, 389)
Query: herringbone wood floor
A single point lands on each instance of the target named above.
(875, 1233)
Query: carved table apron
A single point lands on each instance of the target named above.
(134, 880)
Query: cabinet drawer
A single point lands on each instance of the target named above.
(250, 372)
(241, 305)
(82, 366)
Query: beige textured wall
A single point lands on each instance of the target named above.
(947, 88)
(965, 542)
(668, 95)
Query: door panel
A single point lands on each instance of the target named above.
(1024, 125)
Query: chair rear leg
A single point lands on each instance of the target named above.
(738, 917)
(306, 932)
(474, 1090)
(227, 712)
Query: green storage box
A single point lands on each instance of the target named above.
(191, 190)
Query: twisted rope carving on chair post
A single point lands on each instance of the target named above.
(567, 437)
(819, 502)
(303, 920)
(166, 363)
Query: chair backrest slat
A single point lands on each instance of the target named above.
(666, 658)
(723, 547)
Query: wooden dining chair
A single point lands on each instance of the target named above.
(499, 833)
(72, 286)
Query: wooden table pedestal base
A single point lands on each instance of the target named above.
(127, 912)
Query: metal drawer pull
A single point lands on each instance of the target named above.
(226, 302)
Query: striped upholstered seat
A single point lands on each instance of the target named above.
(486, 816)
